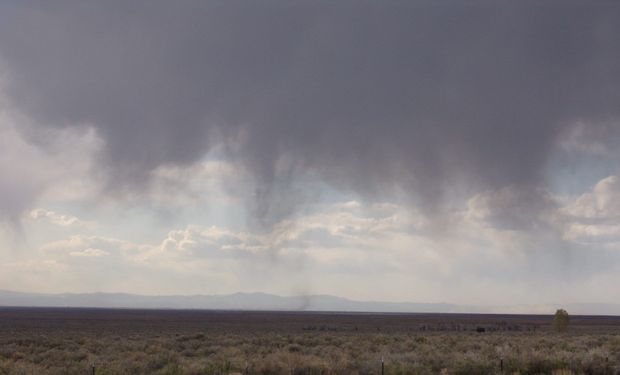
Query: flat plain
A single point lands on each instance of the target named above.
(118, 341)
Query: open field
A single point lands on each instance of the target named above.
(69, 341)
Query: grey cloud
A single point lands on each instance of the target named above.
(525, 209)
(372, 97)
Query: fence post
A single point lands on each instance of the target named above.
(501, 365)
(382, 367)
(93, 369)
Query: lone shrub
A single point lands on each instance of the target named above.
(561, 320)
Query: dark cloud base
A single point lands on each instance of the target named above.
(371, 97)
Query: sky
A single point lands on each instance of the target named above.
(454, 151)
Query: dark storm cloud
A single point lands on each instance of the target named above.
(370, 96)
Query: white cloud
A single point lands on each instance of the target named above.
(592, 233)
(87, 244)
(211, 242)
(603, 202)
(90, 252)
(365, 251)
(594, 217)
(41, 214)
(240, 259)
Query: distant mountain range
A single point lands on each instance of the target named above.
(264, 301)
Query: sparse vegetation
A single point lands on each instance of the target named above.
(126, 342)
